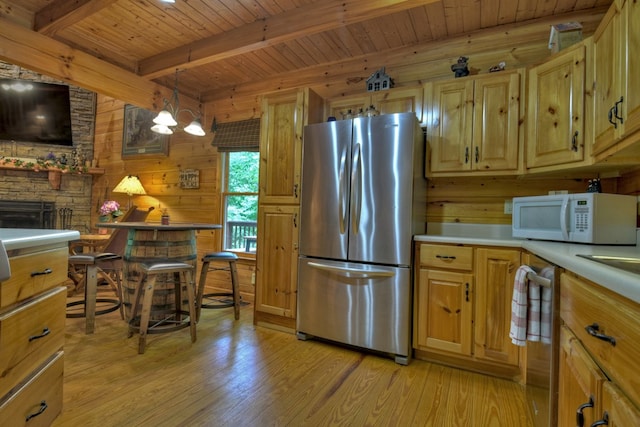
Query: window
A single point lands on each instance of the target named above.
(240, 200)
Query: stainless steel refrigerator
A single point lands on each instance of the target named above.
(363, 198)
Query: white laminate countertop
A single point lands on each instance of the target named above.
(20, 238)
(561, 254)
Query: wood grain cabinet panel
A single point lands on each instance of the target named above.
(556, 132)
(616, 75)
(600, 347)
(473, 124)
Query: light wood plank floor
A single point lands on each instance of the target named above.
(237, 374)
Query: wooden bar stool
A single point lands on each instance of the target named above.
(182, 275)
(90, 264)
(211, 262)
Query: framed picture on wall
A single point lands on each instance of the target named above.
(137, 137)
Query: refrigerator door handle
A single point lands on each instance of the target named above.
(343, 191)
(352, 272)
(356, 190)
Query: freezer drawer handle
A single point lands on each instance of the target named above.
(594, 331)
(352, 272)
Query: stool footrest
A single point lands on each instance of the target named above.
(168, 324)
(115, 304)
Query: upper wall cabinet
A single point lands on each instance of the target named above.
(616, 74)
(555, 131)
(398, 100)
(473, 125)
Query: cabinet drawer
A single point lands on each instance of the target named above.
(41, 392)
(448, 257)
(583, 305)
(29, 335)
(34, 273)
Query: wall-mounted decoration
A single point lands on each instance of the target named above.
(379, 81)
(189, 178)
(137, 137)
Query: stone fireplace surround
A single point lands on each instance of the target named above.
(32, 186)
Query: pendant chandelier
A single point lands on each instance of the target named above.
(168, 117)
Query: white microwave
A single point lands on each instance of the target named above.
(597, 218)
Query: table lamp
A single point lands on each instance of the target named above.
(131, 185)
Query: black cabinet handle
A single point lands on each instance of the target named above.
(613, 122)
(446, 257)
(603, 422)
(574, 142)
(44, 333)
(43, 407)
(615, 110)
(466, 155)
(466, 292)
(594, 331)
(580, 415)
(477, 154)
(41, 273)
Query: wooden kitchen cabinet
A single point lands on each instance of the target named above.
(396, 100)
(600, 347)
(616, 75)
(462, 307)
(283, 119)
(32, 321)
(556, 113)
(495, 272)
(473, 125)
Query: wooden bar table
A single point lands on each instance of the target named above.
(149, 242)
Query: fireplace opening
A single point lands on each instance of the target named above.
(27, 214)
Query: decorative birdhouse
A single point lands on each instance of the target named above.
(379, 81)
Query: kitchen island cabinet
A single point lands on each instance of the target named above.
(600, 347)
(32, 321)
(283, 119)
(462, 307)
(473, 125)
(616, 75)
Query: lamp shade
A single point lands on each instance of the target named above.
(195, 128)
(164, 117)
(130, 185)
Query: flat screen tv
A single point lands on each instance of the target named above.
(35, 112)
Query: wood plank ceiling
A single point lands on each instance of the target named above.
(227, 46)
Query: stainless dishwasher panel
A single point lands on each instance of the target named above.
(362, 305)
(542, 358)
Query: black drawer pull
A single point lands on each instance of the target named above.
(603, 422)
(580, 415)
(43, 407)
(445, 257)
(44, 333)
(594, 331)
(40, 273)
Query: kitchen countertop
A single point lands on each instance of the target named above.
(561, 254)
(19, 238)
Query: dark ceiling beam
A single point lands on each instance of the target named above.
(315, 18)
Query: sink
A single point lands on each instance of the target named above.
(629, 264)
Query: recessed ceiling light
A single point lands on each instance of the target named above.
(168, 1)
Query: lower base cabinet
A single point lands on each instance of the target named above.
(598, 382)
(462, 307)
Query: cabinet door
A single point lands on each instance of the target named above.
(401, 100)
(277, 265)
(340, 107)
(620, 411)
(444, 311)
(606, 86)
(450, 127)
(631, 73)
(495, 126)
(281, 148)
(579, 382)
(495, 273)
(556, 110)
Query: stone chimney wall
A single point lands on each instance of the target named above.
(75, 189)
